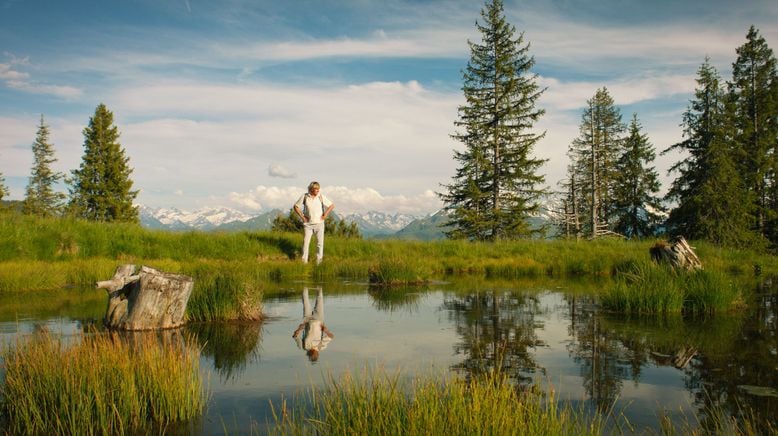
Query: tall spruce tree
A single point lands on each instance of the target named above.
(754, 94)
(101, 189)
(712, 200)
(40, 196)
(495, 188)
(637, 185)
(594, 155)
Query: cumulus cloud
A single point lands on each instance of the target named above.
(347, 200)
(276, 170)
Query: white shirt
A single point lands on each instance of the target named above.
(317, 204)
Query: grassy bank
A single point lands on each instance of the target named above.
(102, 385)
(233, 270)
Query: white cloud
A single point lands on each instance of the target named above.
(276, 170)
(574, 94)
(347, 200)
(19, 80)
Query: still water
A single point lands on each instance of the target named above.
(552, 336)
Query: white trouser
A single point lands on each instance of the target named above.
(318, 310)
(310, 229)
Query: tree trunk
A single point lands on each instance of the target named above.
(677, 253)
(149, 300)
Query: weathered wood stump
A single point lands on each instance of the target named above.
(149, 300)
(677, 253)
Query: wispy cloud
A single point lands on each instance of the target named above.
(19, 80)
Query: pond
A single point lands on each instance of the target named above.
(551, 335)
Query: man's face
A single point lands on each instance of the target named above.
(314, 191)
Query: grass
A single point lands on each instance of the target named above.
(231, 270)
(647, 288)
(104, 384)
(377, 403)
(381, 404)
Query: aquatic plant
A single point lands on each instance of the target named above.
(104, 384)
(380, 403)
(647, 288)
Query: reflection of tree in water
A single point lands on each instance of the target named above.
(720, 356)
(497, 329)
(723, 376)
(231, 345)
(391, 298)
(605, 362)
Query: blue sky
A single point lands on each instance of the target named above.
(241, 103)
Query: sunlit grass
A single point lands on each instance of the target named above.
(100, 385)
(380, 403)
(647, 288)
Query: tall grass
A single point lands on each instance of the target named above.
(47, 254)
(647, 288)
(101, 385)
(382, 404)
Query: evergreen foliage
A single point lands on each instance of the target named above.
(334, 227)
(636, 185)
(713, 202)
(754, 95)
(40, 197)
(495, 189)
(101, 189)
(594, 155)
(3, 188)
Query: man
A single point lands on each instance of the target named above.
(313, 208)
(315, 335)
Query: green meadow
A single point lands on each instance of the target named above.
(232, 271)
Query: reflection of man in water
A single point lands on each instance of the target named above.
(315, 335)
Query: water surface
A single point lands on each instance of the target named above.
(553, 336)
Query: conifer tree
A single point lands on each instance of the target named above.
(594, 154)
(754, 94)
(637, 185)
(101, 189)
(40, 197)
(495, 188)
(712, 200)
(3, 188)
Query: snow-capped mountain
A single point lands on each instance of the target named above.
(206, 218)
(379, 223)
(223, 218)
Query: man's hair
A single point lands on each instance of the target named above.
(313, 185)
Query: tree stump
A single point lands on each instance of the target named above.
(677, 253)
(149, 300)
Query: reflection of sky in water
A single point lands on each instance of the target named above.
(416, 334)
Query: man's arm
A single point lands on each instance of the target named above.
(300, 213)
(327, 331)
(299, 328)
(327, 212)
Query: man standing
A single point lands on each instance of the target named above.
(313, 208)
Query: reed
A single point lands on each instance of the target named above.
(646, 288)
(380, 403)
(100, 385)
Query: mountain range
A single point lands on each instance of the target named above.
(371, 224)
